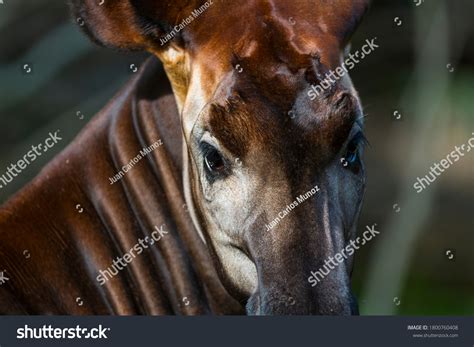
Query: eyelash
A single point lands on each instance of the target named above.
(206, 150)
(353, 149)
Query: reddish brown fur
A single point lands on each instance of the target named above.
(251, 110)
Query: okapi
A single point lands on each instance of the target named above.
(253, 184)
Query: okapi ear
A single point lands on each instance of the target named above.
(352, 13)
(129, 24)
(111, 23)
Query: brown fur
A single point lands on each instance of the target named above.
(248, 113)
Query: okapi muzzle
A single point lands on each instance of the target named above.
(257, 183)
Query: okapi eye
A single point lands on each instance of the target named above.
(214, 163)
(352, 155)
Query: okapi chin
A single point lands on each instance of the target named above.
(241, 144)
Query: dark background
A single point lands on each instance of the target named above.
(405, 270)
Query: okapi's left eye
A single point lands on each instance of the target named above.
(352, 153)
(214, 162)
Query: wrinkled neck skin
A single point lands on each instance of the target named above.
(176, 276)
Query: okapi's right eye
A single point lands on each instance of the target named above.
(214, 162)
(352, 153)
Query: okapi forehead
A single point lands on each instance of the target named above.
(248, 122)
(277, 73)
(286, 31)
(268, 106)
(274, 56)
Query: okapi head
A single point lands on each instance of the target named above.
(274, 179)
